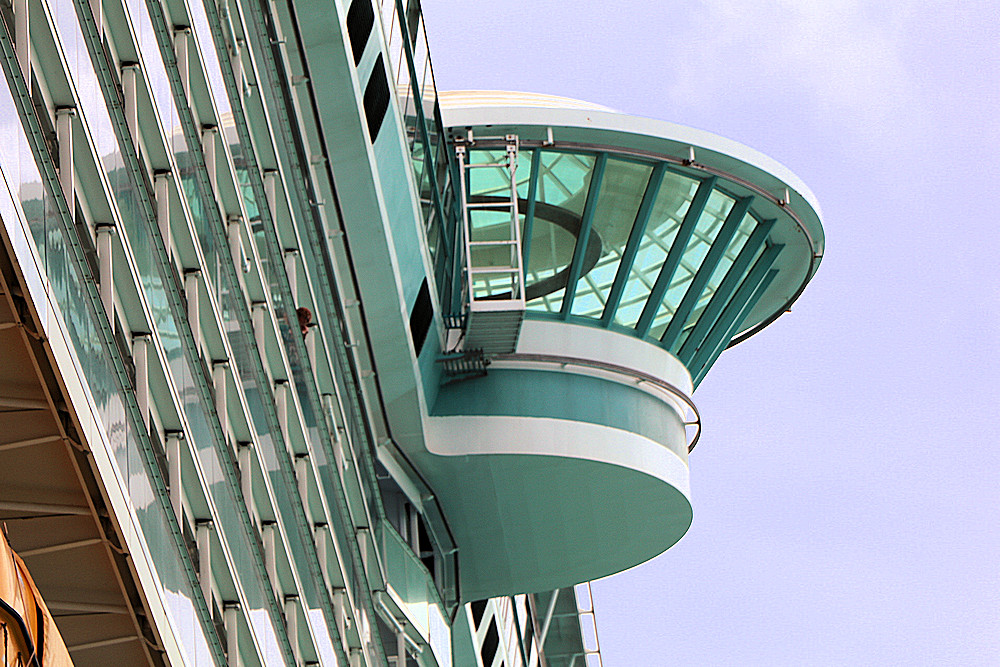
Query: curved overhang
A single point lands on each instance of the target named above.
(619, 159)
(565, 463)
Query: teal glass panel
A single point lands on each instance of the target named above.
(617, 205)
(672, 202)
(708, 227)
(563, 183)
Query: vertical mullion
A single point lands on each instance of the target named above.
(576, 267)
(673, 259)
(725, 289)
(764, 284)
(719, 245)
(634, 241)
(529, 213)
(732, 315)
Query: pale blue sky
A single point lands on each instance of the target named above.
(847, 485)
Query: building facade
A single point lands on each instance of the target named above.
(303, 364)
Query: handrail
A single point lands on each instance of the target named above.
(643, 377)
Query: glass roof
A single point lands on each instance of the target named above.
(636, 245)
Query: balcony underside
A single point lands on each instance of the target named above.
(537, 503)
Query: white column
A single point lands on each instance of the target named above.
(208, 145)
(181, 45)
(311, 334)
(400, 647)
(244, 457)
(340, 614)
(292, 623)
(291, 268)
(192, 293)
(140, 356)
(281, 406)
(64, 135)
(302, 479)
(220, 384)
(22, 45)
(131, 98)
(203, 537)
(231, 619)
(271, 191)
(258, 311)
(174, 440)
(105, 248)
(269, 535)
(162, 186)
(233, 230)
(319, 538)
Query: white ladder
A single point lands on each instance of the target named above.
(494, 275)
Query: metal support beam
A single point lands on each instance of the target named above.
(576, 266)
(634, 241)
(44, 508)
(65, 546)
(529, 213)
(725, 290)
(673, 259)
(716, 339)
(29, 442)
(720, 244)
(23, 403)
(101, 643)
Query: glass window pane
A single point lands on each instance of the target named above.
(563, 182)
(618, 202)
(705, 231)
(672, 202)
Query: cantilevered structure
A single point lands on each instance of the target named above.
(305, 364)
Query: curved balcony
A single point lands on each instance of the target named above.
(647, 249)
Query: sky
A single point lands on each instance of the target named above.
(846, 487)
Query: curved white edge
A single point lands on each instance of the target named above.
(599, 344)
(463, 435)
(492, 108)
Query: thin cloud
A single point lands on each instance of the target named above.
(838, 59)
